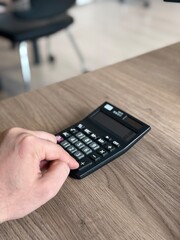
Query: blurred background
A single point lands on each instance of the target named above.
(106, 32)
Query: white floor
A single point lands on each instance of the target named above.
(107, 32)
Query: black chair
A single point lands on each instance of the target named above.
(44, 18)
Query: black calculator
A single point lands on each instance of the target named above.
(102, 136)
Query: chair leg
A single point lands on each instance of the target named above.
(36, 52)
(50, 56)
(25, 67)
(78, 52)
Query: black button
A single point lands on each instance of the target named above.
(115, 143)
(65, 144)
(101, 141)
(80, 126)
(79, 144)
(94, 136)
(95, 156)
(87, 131)
(73, 130)
(84, 163)
(71, 149)
(109, 147)
(94, 146)
(102, 152)
(65, 134)
(108, 138)
(80, 135)
(86, 150)
(72, 139)
(78, 155)
(87, 140)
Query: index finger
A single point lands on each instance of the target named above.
(51, 151)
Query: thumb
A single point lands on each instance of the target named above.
(53, 179)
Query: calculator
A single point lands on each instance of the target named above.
(101, 137)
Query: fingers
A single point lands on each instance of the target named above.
(45, 145)
(53, 179)
(51, 151)
(59, 152)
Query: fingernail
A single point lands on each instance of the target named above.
(77, 164)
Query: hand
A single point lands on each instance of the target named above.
(26, 180)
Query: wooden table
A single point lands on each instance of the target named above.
(137, 196)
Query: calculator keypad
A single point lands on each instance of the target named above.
(86, 146)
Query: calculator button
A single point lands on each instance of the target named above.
(87, 140)
(71, 149)
(80, 126)
(101, 141)
(94, 156)
(87, 131)
(94, 136)
(84, 163)
(59, 138)
(78, 155)
(102, 152)
(72, 139)
(65, 144)
(66, 134)
(94, 146)
(109, 147)
(79, 144)
(86, 150)
(116, 143)
(73, 130)
(108, 138)
(80, 135)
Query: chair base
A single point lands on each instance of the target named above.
(146, 3)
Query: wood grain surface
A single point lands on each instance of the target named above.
(135, 197)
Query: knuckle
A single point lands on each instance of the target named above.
(26, 144)
(27, 140)
(49, 136)
(12, 131)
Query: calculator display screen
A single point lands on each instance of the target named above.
(133, 123)
(113, 125)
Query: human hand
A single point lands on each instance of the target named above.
(26, 181)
